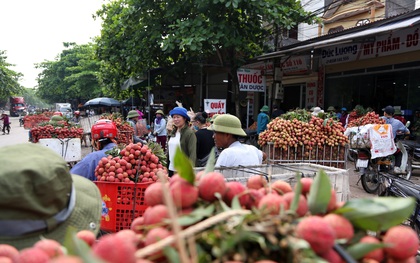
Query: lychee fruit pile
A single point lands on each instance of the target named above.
(135, 163)
(232, 222)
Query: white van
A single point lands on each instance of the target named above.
(67, 112)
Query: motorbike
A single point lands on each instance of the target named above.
(21, 121)
(413, 150)
(371, 168)
(21, 118)
(391, 185)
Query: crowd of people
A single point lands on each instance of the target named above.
(46, 189)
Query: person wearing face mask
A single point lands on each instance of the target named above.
(205, 141)
(181, 136)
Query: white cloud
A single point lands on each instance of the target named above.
(34, 30)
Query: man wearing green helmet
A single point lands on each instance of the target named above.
(263, 119)
(227, 130)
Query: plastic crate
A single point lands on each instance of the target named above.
(121, 203)
(339, 178)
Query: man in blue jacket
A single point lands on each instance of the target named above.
(263, 119)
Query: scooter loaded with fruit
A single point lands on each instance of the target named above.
(380, 157)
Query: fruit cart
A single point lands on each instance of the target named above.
(339, 178)
(86, 124)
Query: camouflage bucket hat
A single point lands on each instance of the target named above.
(41, 199)
(228, 124)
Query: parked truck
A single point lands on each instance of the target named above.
(17, 106)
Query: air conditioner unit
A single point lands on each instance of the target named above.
(279, 92)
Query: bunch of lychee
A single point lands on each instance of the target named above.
(135, 163)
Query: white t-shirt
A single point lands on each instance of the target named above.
(173, 143)
(239, 154)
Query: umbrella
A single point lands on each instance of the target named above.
(103, 102)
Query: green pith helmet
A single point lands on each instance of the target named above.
(132, 114)
(214, 117)
(265, 108)
(228, 124)
(331, 108)
(56, 118)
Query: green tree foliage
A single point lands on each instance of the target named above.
(73, 76)
(9, 79)
(139, 35)
(32, 99)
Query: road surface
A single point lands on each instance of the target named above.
(17, 134)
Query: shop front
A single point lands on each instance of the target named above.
(373, 66)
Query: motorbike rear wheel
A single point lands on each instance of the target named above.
(351, 156)
(370, 181)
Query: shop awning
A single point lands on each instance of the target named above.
(343, 39)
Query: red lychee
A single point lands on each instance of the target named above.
(155, 214)
(210, 184)
(112, 249)
(87, 236)
(50, 246)
(342, 227)
(235, 189)
(32, 255)
(66, 259)
(332, 256)
(403, 240)
(332, 204)
(272, 203)
(156, 234)
(302, 208)
(306, 185)
(281, 187)
(154, 194)
(256, 182)
(8, 251)
(4, 259)
(377, 254)
(254, 198)
(129, 236)
(136, 224)
(183, 193)
(318, 233)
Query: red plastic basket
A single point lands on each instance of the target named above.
(121, 203)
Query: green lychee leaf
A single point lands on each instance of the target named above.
(210, 162)
(320, 193)
(184, 166)
(295, 202)
(171, 254)
(357, 251)
(236, 205)
(224, 206)
(196, 216)
(379, 213)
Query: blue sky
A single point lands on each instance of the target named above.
(33, 30)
